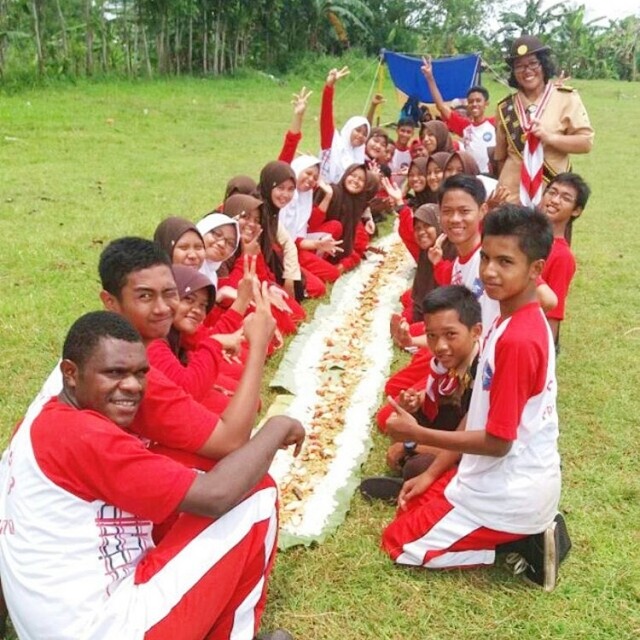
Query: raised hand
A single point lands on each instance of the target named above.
(260, 325)
(377, 99)
(329, 245)
(337, 74)
(300, 101)
(427, 67)
(499, 196)
(410, 400)
(401, 425)
(249, 278)
(435, 253)
(395, 193)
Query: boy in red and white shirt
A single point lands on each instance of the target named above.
(80, 493)
(507, 485)
(563, 201)
(477, 132)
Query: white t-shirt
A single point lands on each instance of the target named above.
(467, 272)
(514, 397)
(476, 138)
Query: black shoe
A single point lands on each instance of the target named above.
(539, 556)
(277, 634)
(381, 488)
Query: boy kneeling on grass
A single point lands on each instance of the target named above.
(452, 321)
(506, 488)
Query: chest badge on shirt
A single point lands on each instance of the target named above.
(478, 288)
(486, 136)
(487, 377)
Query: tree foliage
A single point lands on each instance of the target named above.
(171, 37)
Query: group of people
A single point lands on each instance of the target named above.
(135, 502)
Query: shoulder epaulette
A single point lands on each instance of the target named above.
(565, 89)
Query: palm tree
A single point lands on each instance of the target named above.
(339, 14)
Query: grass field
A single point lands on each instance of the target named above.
(80, 165)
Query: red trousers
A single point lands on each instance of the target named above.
(432, 533)
(416, 371)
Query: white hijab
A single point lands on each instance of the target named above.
(295, 216)
(209, 223)
(342, 154)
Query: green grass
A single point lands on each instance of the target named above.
(80, 165)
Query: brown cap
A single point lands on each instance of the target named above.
(524, 45)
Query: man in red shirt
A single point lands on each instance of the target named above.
(82, 491)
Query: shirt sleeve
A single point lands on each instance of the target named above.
(500, 152)
(443, 272)
(291, 265)
(199, 375)
(92, 458)
(289, 146)
(327, 126)
(457, 123)
(169, 416)
(558, 273)
(405, 231)
(518, 375)
(576, 119)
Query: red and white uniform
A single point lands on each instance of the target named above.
(466, 271)
(78, 499)
(476, 138)
(400, 161)
(558, 272)
(490, 500)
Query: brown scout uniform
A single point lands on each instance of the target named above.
(565, 113)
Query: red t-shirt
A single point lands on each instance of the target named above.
(558, 272)
(169, 416)
(92, 458)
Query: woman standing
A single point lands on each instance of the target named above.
(539, 126)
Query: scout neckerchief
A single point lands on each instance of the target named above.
(444, 382)
(516, 137)
(531, 179)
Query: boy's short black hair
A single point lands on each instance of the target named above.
(463, 182)
(457, 298)
(530, 226)
(583, 191)
(406, 122)
(546, 62)
(87, 331)
(127, 255)
(478, 89)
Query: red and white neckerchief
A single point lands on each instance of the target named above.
(533, 155)
(442, 382)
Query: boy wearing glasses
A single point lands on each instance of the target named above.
(563, 201)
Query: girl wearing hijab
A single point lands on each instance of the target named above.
(189, 356)
(463, 162)
(340, 149)
(276, 188)
(181, 241)
(436, 137)
(348, 203)
(246, 210)
(295, 218)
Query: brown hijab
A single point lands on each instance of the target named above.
(439, 130)
(234, 206)
(170, 230)
(424, 280)
(272, 174)
(440, 158)
(420, 197)
(469, 165)
(348, 207)
(240, 184)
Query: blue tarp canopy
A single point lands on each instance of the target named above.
(454, 76)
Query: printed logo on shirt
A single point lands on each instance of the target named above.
(487, 137)
(124, 538)
(487, 377)
(478, 288)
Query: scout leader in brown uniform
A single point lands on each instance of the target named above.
(562, 124)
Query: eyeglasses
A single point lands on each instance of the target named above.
(534, 65)
(218, 236)
(565, 197)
